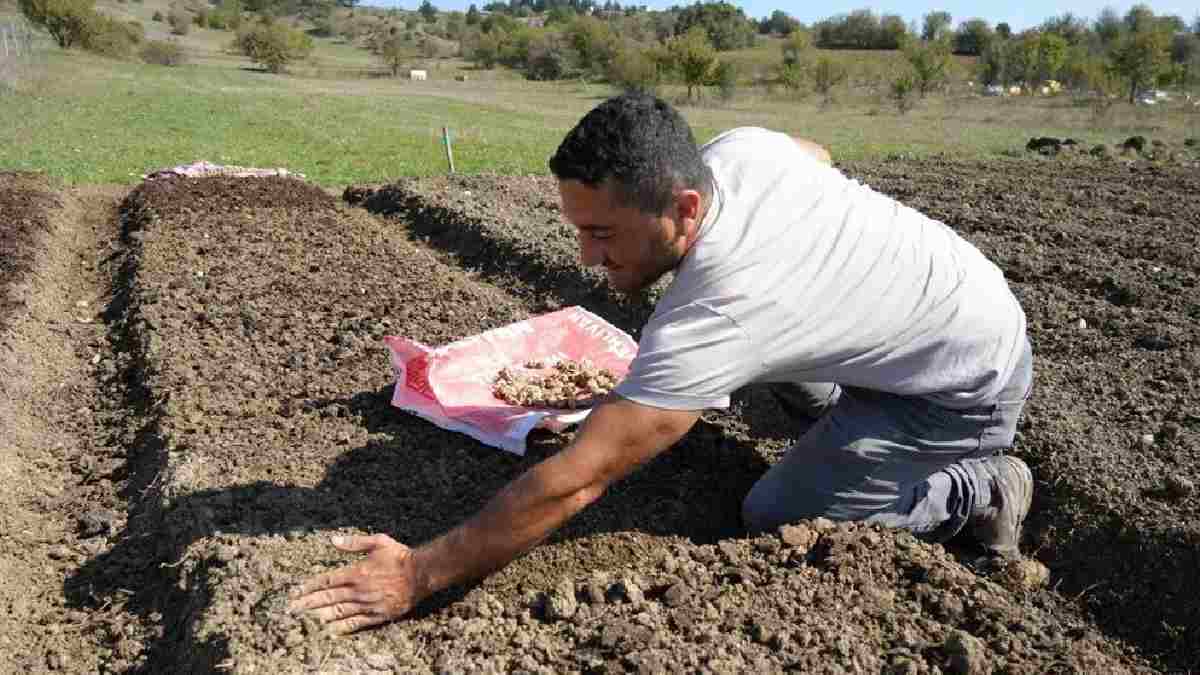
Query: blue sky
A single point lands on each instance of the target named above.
(1019, 14)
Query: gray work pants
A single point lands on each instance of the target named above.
(900, 461)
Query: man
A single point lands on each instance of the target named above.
(786, 272)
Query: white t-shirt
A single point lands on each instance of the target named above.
(800, 274)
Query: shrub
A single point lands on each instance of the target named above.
(930, 63)
(163, 53)
(180, 24)
(793, 77)
(547, 65)
(392, 53)
(693, 58)
(902, 92)
(201, 17)
(158, 16)
(67, 21)
(111, 37)
(322, 28)
(635, 70)
(724, 78)
(828, 74)
(273, 45)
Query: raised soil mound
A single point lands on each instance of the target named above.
(249, 394)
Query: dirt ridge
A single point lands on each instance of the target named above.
(249, 390)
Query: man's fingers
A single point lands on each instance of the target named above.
(340, 577)
(360, 544)
(342, 611)
(356, 623)
(323, 598)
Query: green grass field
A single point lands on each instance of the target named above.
(87, 119)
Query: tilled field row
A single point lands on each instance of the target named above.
(251, 312)
(1106, 260)
(1114, 427)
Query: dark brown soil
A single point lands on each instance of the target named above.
(243, 382)
(1113, 430)
(26, 202)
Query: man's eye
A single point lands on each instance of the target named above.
(601, 235)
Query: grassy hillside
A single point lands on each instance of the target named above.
(90, 119)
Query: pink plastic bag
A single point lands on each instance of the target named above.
(451, 386)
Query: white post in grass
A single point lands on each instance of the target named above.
(449, 151)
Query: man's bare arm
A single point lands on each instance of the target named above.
(617, 437)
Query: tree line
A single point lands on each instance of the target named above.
(634, 47)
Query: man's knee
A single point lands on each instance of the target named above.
(756, 514)
(768, 506)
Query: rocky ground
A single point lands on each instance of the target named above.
(192, 433)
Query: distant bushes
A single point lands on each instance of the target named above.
(273, 45)
(112, 37)
(163, 53)
(179, 22)
(862, 29)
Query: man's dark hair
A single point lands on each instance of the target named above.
(639, 143)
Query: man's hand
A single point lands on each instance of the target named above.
(381, 588)
(617, 437)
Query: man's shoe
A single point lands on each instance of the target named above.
(998, 527)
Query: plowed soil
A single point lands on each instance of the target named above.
(229, 367)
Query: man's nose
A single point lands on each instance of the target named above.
(591, 253)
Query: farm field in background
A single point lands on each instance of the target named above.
(88, 119)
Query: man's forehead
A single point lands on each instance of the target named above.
(580, 200)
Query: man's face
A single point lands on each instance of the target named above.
(635, 248)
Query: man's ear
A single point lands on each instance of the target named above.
(689, 208)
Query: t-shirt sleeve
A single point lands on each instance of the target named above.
(691, 357)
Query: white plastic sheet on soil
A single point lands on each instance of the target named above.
(451, 385)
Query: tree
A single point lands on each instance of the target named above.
(273, 45)
(901, 92)
(723, 76)
(726, 25)
(428, 11)
(594, 42)
(179, 22)
(1051, 55)
(693, 57)
(828, 74)
(392, 53)
(780, 23)
(1003, 30)
(930, 63)
(1140, 58)
(635, 70)
(66, 21)
(973, 37)
(1071, 28)
(486, 52)
(993, 63)
(935, 26)
(861, 29)
(1185, 54)
(796, 48)
(1172, 23)
(472, 15)
(892, 32)
(1108, 26)
(1139, 18)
